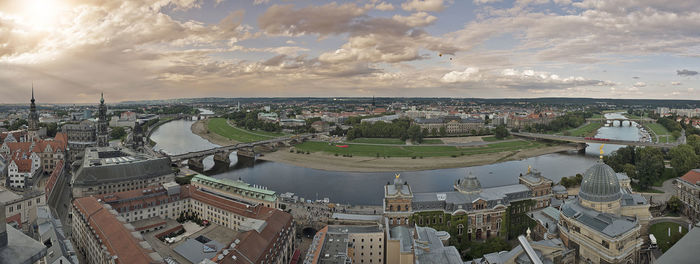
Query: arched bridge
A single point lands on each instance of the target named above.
(583, 141)
(621, 120)
(246, 150)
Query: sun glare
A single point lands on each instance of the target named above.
(39, 14)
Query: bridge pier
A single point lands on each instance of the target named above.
(581, 147)
(223, 156)
(196, 163)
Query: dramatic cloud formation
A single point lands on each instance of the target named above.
(141, 49)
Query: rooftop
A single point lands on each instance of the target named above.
(20, 249)
(118, 240)
(607, 224)
(692, 177)
(685, 250)
(113, 165)
(238, 187)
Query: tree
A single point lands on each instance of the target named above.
(443, 131)
(650, 165)
(694, 141)
(51, 128)
(415, 134)
(630, 170)
(434, 132)
(674, 204)
(683, 158)
(117, 133)
(501, 132)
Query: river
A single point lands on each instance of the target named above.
(367, 188)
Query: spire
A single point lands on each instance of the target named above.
(102, 98)
(32, 92)
(601, 151)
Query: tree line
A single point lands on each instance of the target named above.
(400, 128)
(567, 121)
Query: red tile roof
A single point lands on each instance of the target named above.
(23, 165)
(692, 177)
(51, 182)
(22, 147)
(254, 245)
(40, 146)
(114, 235)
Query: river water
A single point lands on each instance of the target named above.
(367, 188)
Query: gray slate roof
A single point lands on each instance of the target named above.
(600, 184)
(607, 224)
(452, 201)
(196, 251)
(121, 168)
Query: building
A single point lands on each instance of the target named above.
(347, 244)
(320, 126)
(267, 233)
(548, 251)
(103, 238)
(238, 190)
(59, 250)
(22, 169)
(51, 152)
(452, 125)
(16, 247)
(385, 119)
(470, 212)
(415, 244)
(547, 220)
(80, 136)
(108, 170)
(289, 122)
(268, 117)
(126, 119)
(688, 189)
(398, 199)
(540, 186)
(33, 120)
(102, 124)
(604, 224)
(20, 209)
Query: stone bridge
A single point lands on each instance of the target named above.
(582, 142)
(243, 150)
(621, 121)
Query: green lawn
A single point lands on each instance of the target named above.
(587, 130)
(413, 151)
(432, 141)
(597, 116)
(393, 141)
(219, 126)
(493, 138)
(661, 131)
(660, 231)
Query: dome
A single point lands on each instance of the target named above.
(600, 184)
(468, 184)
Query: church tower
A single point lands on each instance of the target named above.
(33, 120)
(102, 124)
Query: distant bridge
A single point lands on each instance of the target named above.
(621, 120)
(583, 141)
(244, 150)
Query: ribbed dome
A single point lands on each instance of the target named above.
(468, 184)
(600, 184)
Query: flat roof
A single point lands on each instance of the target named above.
(685, 250)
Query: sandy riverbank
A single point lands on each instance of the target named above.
(200, 128)
(323, 161)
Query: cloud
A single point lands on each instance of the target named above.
(384, 6)
(635, 77)
(423, 5)
(478, 2)
(419, 19)
(468, 74)
(639, 84)
(685, 72)
(324, 20)
(676, 83)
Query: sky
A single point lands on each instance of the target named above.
(73, 50)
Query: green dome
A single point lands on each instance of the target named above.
(600, 184)
(468, 184)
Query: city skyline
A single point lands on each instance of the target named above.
(140, 50)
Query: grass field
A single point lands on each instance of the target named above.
(661, 131)
(597, 116)
(587, 130)
(660, 231)
(392, 141)
(219, 126)
(413, 151)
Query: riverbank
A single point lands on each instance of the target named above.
(324, 161)
(201, 128)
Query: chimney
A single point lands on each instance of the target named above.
(3, 226)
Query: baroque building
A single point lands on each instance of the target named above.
(604, 224)
(470, 212)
